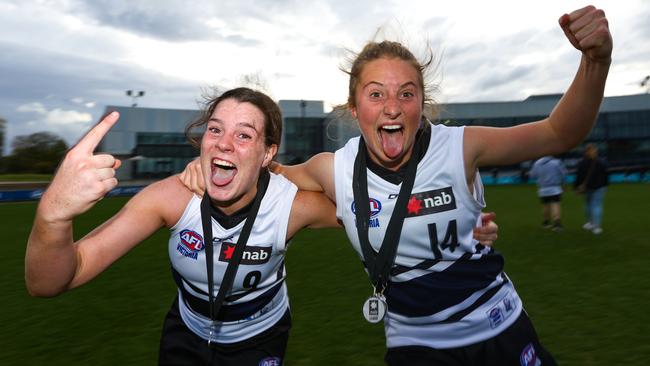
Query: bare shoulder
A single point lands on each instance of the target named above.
(312, 209)
(320, 161)
(323, 157)
(167, 197)
(322, 169)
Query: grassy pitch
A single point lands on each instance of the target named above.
(587, 295)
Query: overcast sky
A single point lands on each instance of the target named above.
(63, 61)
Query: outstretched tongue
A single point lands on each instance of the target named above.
(221, 177)
(392, 143)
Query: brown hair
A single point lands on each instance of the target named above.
(270, 110)
(389, 49)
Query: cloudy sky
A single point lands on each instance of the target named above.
(63, 61)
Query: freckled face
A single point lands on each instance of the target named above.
(389, 107)
(232, 154)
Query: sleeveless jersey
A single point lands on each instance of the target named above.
(446, 290)
(258, 298)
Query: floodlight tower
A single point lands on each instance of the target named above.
(135, 95)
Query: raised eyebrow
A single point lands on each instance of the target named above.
(371, 83)
(406, 84)
(247, 125)
(409, 83)
(239, 124)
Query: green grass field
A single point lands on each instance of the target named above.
(587, 295)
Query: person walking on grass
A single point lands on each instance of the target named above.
(591, 181)
(549, 173)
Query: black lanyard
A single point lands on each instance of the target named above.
(231, 270)
(380, 264)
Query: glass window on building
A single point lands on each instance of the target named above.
(161, 154)
(303, 138)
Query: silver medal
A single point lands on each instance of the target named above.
(374, 309)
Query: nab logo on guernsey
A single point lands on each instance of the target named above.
(437, 200)
(270, 361)
(529, 357)
(191, 243)
(375, 209)
(252, 255)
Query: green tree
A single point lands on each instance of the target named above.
(39, 152)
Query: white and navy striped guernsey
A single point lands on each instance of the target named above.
(446, 290)
(258, 298)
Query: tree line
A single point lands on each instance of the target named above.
(37, 153)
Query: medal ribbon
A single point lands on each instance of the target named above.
(231, 270)
(380, 264)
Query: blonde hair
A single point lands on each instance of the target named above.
(391, 49)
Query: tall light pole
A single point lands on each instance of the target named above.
(646, 84)
(135, 95)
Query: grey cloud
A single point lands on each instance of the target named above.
(56, 86)
(492, 78)
(171, 20)
(484, 68)
(178, 20)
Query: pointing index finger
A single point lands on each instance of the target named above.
(89, 142)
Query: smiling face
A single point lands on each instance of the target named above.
(233, 152)
(389, 102)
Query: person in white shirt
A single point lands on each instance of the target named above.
(549, 173)
(409, 194)
(212, 321)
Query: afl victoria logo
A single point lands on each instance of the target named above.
(375, 207)
(191, 240)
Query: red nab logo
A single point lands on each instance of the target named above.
(252, 255)
(437, 200)
(191, 240)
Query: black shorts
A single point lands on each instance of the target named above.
(180, 346)
(550, 199)
(517, 346)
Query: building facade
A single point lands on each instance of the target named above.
(622, 130)
(152, 144)
(303, 130)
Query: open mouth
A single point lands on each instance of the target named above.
(391, 137)
(223, 172)
(391, 128)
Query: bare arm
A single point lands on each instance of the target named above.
(313, 210)
(53, 262)
(316, 174)
(81, 180)
(573, 116)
